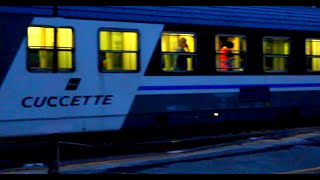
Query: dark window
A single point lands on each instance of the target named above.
(276, 54)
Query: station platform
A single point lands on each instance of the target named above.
(290, 151)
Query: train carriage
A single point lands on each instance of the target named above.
(76, 69)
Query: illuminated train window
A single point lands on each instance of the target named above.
(50, 49)
(178, 51)
(276, 54)
(118, 50)
(313, 54)
(231, 53)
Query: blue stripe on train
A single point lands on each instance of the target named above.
(197, 87)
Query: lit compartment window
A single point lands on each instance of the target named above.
(118, 51)
(313, 54)
(276, 54)
(49, 53)
(231, 53)
(178, 51)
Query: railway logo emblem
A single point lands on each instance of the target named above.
(73, 84)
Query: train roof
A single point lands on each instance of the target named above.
(271, 17)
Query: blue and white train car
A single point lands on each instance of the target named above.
(75, 69)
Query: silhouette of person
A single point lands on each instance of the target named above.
(181, 60)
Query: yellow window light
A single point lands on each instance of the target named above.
(121, 50)
(64, 38)
(313, 49)
(130, 41)
(170, 42)
(116, 41)
(40, 37)
(104, 40)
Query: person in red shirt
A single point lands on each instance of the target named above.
(226, 56)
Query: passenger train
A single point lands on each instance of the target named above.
(78, 69)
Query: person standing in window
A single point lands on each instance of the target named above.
(181, 60)
(226, 56)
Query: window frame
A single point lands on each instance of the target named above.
(277, 55)
(306, 56)
(137, 52)
(194, 54)
(55, 50)
(245, 68)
